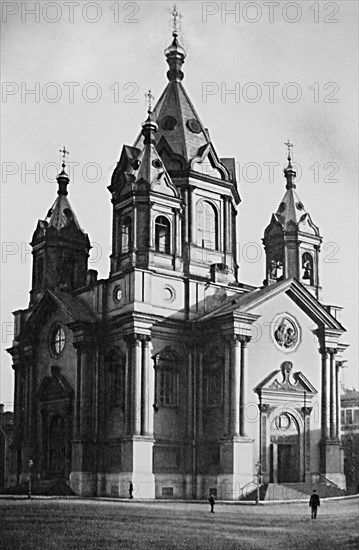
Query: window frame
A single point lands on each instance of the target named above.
(203, 207)
(165, 224)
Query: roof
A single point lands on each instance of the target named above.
(245, 303)
(61, 214)
(71, 305)
(349, 395)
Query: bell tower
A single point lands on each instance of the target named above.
(291, 240)
(146, 207)
(60, 248)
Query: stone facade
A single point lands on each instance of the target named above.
(172, 373)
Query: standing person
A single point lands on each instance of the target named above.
(211, 502)
(314, 502)
(130, 489)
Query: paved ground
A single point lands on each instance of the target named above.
(94, 524)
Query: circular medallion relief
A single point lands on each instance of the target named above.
(286, 332)
(117, 294)
(57, 340)
(168, 294)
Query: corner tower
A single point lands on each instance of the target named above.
(291, 240)
(60, 247)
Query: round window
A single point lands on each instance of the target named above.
(57, 340)
(169, 123)
(118, 294)
(194, 126)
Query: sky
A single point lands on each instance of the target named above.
(75, 74)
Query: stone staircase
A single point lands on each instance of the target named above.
(292, 491)
(284, 491)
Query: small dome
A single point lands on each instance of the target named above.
(175, 47)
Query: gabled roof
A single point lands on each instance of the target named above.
(69, 304)
(246, 302)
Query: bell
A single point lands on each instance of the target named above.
(306, 274)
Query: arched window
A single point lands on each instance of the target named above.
(307, 267)
(207, 223)
(116, 366)
(126, 235)
(39, 272)
(163, 235)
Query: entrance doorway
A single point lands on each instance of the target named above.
(57, 448)
(287, 463)
(284, 450)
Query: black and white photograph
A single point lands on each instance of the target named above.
(179, 275)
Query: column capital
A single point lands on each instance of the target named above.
(244, 339)
(263, 407)
(136, 338)
(326, 350)
(306, 411)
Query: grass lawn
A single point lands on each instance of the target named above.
(94, 524)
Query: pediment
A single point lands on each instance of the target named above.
(207, 164)
(283, 380)
(55, 387)
(166, 356)
(70, 305)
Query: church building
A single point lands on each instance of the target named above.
(172, 373)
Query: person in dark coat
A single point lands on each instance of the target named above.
(211, 502)
(130, 489)
(314, 502)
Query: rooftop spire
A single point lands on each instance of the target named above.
(175, 53)
(63, 179)
(149, 127)
(289, 172)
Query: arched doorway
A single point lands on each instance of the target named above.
(284, 449)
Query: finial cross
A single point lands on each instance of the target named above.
(175, 19)
(64, 153)
(289, 147)
(149, 98)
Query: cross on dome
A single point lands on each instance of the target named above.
(64, 152)
(175, 16)
(149, 96)
(289, 147)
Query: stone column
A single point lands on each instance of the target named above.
(325, 396)
(264, 411)
(189, 394)
(226, 396)
(200, 395)
(337, 392)
(136, 375)
(243, 398)
(225, 225)
(333, 395)
(306, 443)
(146, 389)
(235, 370)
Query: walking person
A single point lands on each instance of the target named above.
(130, 489)
(211, 502)
(314, 502)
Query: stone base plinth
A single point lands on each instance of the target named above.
(236, 467)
